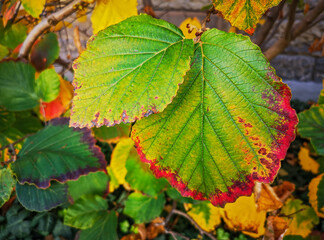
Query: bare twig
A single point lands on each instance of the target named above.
(15, 142)
(291, 19)
(46, 23)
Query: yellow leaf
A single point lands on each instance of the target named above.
(266, 198)
(81, 15)
(232, 29)
(109, 12)
(243, 215)
(314, 193)
(205, 214)
(193, 22)
(302, 218)
(33, 7)
(307, 163)
(118, 159)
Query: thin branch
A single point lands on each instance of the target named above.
(291, 19)
(46, 23)
(15, 142)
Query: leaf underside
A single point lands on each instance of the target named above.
(58, 152)
(244, 14)
(129, 71)
(229, 125)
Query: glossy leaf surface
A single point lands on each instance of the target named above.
(17, 82)
(85, 212)
(7, 183)
(244, 14)
(129, 71)
(37, 199)
(57, 152)
(311, 125)
(230, 124)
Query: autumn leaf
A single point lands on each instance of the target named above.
(276, 228)
(33, 7)
(9, 13)
(244, 14)
(244, 216)
(316, 194)
(284, 190)
(205, 215)
(302, 218)
(109, 12)
(193, 22)
(266, 198)
(307, 162)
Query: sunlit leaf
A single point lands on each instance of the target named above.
(266, 198)
(114, 83)
(306, 161)
(206, 215)
(311, 125)
(17, 80)
(302, 219)
(85, 212)
(45, 52)
(230, 124)
(104, 229)
(37, 199)
(57, 152)
(48, 85)
(33, 7)
(112, 134)
(192, 21)
(109, 12)
(7, 182)
(143, 208)
(244, 14)
(316, 194)
(91, 184)
(244, 216)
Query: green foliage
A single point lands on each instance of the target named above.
(85, 212)
(40, 200)
(12, 35)
(7, 183)
(128, 73)
(143, 208)
(48, 85)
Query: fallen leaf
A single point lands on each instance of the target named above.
(276, 228)
(307, 162)
(109, 12)
(266, 198)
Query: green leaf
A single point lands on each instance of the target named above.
(26, 122)
(321, 98)
(230, 124)
(48, 85)
(17, 223)
(33, 7)
(144, 208)
(311, 125)
(104, 229)
(17, 81)
(12, 35)
(6, 119)
(112, 134)
(85, 212)
(244, 14)
(3, 51)
(91, 184)
(40, 200)
(57, 152)
(141, 179)
(45, 52)
(129, 71)
(7, 183)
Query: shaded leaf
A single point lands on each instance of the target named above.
(306, 161)
(143, 208)
(188, 32)
(302, 220)
(17, 81)
(316, 194)
(230, 124)
(109, 12)
(26, 127)
(33, 7)
(6, 119)
(45, 52)
(311, 125)
(57, 152)
(284, 190)
(205, 215)
(7, 183)
(3, 51)
(244, 14)
(85, 212)
(112, 134)
(243, 215)
(104, 229)
(321, 96)
(114, 84)
(17, 223)
(48, 85)
(12, 35)
(266, 198)
(40, 200)
(91, 184)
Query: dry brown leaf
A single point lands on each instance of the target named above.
(266, 198)
(155, 228)
(284, 190)
(276, 228)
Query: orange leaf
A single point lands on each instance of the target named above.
(276, 228)
(9, 13)
(266, 198)
(154, 228)
(284, 190)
